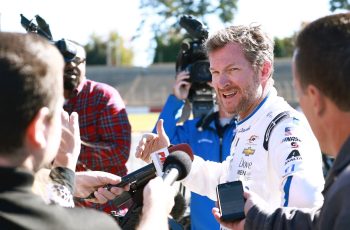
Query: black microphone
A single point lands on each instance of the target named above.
(140, 177)
(176, 166)
(150, 169)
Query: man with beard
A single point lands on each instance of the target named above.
(209, 136)
(104, 126)
(321, 76)
(274, 152)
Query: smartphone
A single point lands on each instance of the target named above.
(231, 200)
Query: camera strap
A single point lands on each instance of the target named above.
(186, 111)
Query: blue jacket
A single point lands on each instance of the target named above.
(205, 143)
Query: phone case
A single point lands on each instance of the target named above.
(231, 200)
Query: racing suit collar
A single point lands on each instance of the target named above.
(272, 92)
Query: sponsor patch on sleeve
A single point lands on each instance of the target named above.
(294, 155)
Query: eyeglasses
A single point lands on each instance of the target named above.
(78, 60)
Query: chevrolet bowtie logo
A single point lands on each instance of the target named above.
(248, 151)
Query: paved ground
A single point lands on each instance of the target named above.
(140, 123)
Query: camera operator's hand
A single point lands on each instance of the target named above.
(182, 86)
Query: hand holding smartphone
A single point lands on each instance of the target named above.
(231, 200)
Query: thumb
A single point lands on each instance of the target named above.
(163, 137)
(108, 178)
(160, 128)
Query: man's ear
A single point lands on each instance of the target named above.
(266, 71)
(317, 100)
(37, 131)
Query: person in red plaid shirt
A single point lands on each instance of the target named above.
(104, 126)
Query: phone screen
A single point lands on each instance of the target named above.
(231, 200)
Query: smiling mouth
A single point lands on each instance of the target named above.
(229, 94)
(72, 72)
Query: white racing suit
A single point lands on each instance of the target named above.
(289, 173)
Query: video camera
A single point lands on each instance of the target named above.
(193, 58)
(67, 48)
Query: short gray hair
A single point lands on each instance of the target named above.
(256, 45)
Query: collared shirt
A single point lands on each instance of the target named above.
(104, 127)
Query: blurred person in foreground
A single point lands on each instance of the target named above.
(274, 152)
(321, 74)
(209, 136)
(31, 72)
(103, 122)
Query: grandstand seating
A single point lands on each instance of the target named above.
(150, 86)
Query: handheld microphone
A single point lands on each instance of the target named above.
(176, 167)
(140, 177)
(151, 169)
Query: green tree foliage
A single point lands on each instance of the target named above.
(339, 4)
(110, 51)
(284, 47)
(119, 55)
(162, 16)
(96, 51)
(167, 50)
(167, 9)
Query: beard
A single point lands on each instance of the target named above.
(72, 78)
(249, 96)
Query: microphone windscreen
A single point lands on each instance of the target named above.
(181, 160)
(182, 147)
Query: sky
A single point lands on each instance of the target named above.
(78, 19)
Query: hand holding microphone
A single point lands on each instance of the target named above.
(155, 195)
(139, 178)
(87, 182)
(148, 144)
(158, 194)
